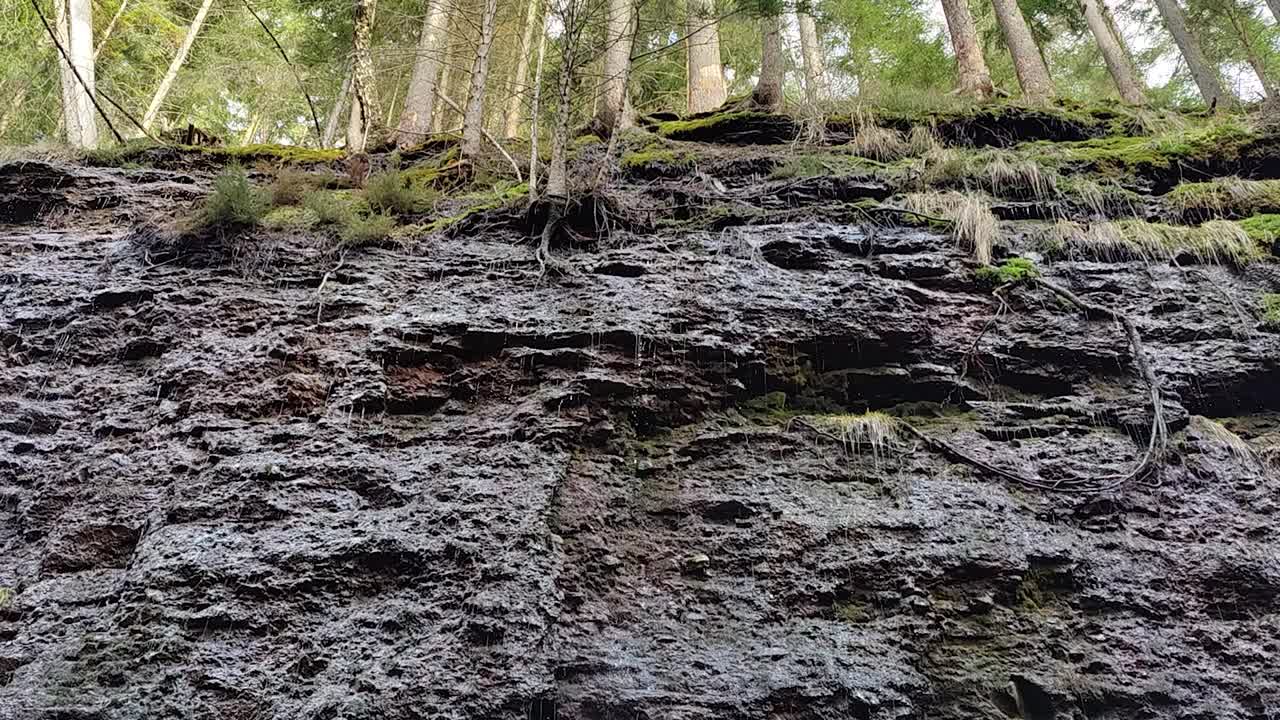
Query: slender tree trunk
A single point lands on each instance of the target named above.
(619, 34)
(511, 122)
(335, 114)
(67, 119)
(815, 75)
(106, 34)
(76, 34)
(705, 76)
(1114, 53)
(557, 174)
(251, 129)
(535, 112)
(166, 84)
(768, 91)
(1202, 71)
(363, 78)
(1033, 76)
(972, 77)
(473, 119)
(355, 120)
(420, 103)
(447, 76)
(1275, 9)
(1251, 54)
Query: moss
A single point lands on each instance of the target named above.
(1220, 142)
(281, 153)
(389, 192)
(6, 596)
(1013, 271)
(1218, 242)
(1264, 229)
(823, 164)
(852, 612)
(585, 141)
(333, 207)
(680, 128)
(1271, 310)
(1224, 197)
(290, 217)
(656, 156)
(118, 155)
(480, 202)
(360, 230)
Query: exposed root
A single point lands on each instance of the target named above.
(1143, 469)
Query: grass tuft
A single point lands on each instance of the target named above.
(1219, 433)
(878, 143)
(1225, 197)
(1271, 311)
(1218, 242)
(389, 192)
(361, 229)
(234, 200)
(973, 225)
(872, 432)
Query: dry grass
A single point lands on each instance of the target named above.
(1218, 242)
(1005, 174)
(1102, 198)
(1218, 433)
(872, 432)
(923, 139)
(973, 225)
(878, 143)
(1225, 196)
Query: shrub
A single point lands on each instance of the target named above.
(389, 192)
(329, 208)
(234, 200)
(291, 186)
(1271, 310)
(361, 229)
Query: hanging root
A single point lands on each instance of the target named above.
(1146, 465)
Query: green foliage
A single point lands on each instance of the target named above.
(389, 192)
(1271, 310)
(234, 200)
(704, 127)
(1014, 271)
(363, 229)
(1221, 140)
(330, 208)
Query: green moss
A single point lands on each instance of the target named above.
(1221, 141)
(360, 230)
(1271, 310)
(1011, 272)
(822, 164)
(282, 153)
(1230, 196)
(585, 141)
(656, 156)
(333, 208)
(290, 217)
(6, 596)
(118, 155)
(479, 202)
(1264, 229)
(677, 129)
(852, 612)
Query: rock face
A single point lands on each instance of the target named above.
(256, 483)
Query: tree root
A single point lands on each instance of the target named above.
(1146, 465)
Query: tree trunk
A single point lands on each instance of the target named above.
(473, 118)
(1033, 76)
(1114, 53)
(166, 84)
(815, 75)
(1202, 71)
(106, 34)
(536, 111)
(972, 77)
(76, 35)
(1275, 9)
(619, 34)
(448, 75)
(705, 77)
(768, 91)
(335, 114)
(420, 103)
(1251, 54)
(364, 79)
(355, 119)
(557, 174)
(511, 121)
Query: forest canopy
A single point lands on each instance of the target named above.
(336, 73)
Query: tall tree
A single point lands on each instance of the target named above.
(363, 79)
(473, 118)
(619, 33)
(166, 84)
(1275, 9)
(1203, 72)
(74, 20)
(420, 102)
(1239, 22)
(972, 77)
(705, 75)
(335, 114)
(515, 105)
(1113, 53)
(1033, 76)
(768, 91)
(815, 81)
